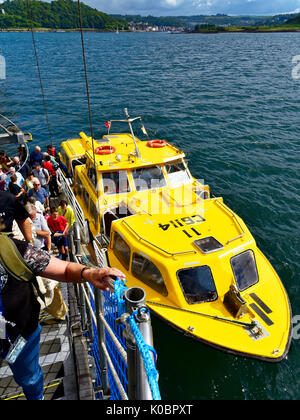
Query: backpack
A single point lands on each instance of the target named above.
(14, 263)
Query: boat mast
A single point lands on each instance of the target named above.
(130, 121)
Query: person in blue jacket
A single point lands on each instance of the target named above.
(36, 156)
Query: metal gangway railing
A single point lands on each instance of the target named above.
(117, 327)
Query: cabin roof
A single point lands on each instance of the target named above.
(177, 233)
(123, 157)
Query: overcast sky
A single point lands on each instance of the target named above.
(192, 7)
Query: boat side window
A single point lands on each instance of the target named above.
(177, 173)
(92, 175)
(149, 178)
(64, 157)
(197, 284)
(148, 273)
(115, 182)
(122, 250)
(94, 213)
(79, 186)
(245, 270)
(86, 198)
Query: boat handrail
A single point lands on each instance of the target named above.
(126, 121)
(171, 254)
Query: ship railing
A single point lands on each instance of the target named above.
(117, 327)
(70, 197)
(227, 209)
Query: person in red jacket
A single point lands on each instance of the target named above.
(53, 186)
(52, 152)
(59, 229)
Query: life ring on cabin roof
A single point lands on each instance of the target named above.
(157, 144)
(105, 150)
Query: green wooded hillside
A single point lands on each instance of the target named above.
(59, 14)
(294, 21)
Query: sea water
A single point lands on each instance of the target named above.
(231, 101)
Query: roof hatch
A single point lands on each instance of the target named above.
(208, 245)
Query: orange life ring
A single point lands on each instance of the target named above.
(157, 144)
(105, 150)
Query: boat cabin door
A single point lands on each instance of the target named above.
(108, 217)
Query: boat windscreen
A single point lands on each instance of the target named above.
(197, 284)
(149, 178)
(177, 174)
(115, 182)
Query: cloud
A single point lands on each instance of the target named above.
(172, 3)
(191, 7)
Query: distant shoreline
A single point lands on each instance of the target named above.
(200, 32)
(202, 29)
(245, 32)
(53, 30)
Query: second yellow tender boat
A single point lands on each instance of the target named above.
(195, 258)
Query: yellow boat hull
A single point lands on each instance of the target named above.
(212, 324)
(174, 229)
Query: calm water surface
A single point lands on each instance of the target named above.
(231, 103)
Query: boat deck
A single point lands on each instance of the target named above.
(56, 358)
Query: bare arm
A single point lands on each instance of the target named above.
(20, 193)
(67, 272)
(42, 233)
(66, 228)
(25, 228)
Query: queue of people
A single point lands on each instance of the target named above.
(42, 165)
(33, 184)
(26, 201)
(19, 307)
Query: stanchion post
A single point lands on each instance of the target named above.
(99, 307)
(138, 385)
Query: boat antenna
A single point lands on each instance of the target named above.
(87, 92)
(39, 71)
(129, 120)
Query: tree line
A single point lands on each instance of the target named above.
(59, 14)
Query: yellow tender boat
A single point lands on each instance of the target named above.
(195, 258)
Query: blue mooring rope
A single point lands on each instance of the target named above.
(152, 373)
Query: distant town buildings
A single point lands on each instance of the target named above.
(145, 27)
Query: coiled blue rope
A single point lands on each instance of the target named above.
(118, 295)
(151, 372)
